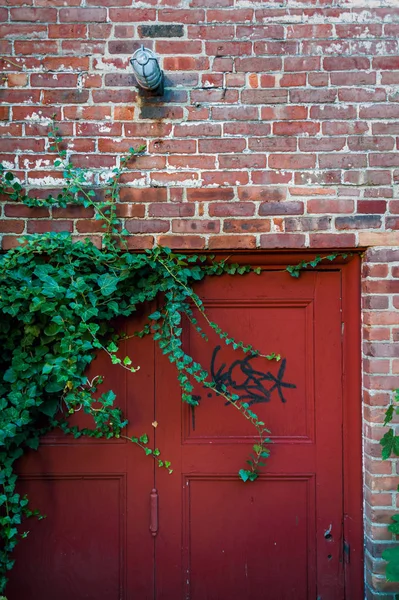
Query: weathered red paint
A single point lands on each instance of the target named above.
(216, 537)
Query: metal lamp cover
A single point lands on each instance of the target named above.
(147, 70)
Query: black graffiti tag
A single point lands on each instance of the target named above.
(251, 385)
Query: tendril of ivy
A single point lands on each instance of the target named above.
(58, 302)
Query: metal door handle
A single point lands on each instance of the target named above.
(154, 512)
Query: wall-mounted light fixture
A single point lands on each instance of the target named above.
(147, 70)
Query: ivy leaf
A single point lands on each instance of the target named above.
(49, 407)
(107, 283)
(155, 315)
(244, 474)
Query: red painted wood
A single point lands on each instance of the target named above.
(216, 536)
(95, 543)
(351, 383)
(222, 538)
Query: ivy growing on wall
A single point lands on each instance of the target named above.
(58, 303)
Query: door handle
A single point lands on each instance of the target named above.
(154, 512)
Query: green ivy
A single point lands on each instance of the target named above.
(390, 446)
(58, 303)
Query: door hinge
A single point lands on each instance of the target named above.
(347, 552)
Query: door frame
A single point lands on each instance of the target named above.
(352, 437)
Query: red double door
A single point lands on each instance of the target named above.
(218, 538)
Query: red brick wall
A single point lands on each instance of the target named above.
(278, 129)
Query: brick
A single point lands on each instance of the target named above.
(359, 144)
(358, 222)
(36, 47)
(215, 95)
(200, 130)
(77, 15)
(384, 160)
(379, 112)
(242, 161)
(166, 146)
(171, 210)
(255, 32)
(322, 206)
(147, 226)
(333, 112)
(130, 194)
(292, 161)
(46, 80)
(318, 79)
(211, 32)
(124, 46)
(161, 31)
(62, 96)
(179, 16)
(282, 240)
(178, 47)
(230, 16)
(246, 225)
(192, 162)
(307, 224)
(369, 238)
(235, 113)
(258, 64)
(313, 96)
(296, 128)
(67, 31)
(306, 63)
(21, 211)
(281, 208)
(371, 206)
(232, 242)
(293, 80)
(321, 144)
(17, 79)
(161, 112)
(264, 96)
(309, 31)
(231, 209)
(280, 113)
(274, 144)
(192, 242)
(221, 145)
(362, 95)
(185, 63)
(332, 240)
(255, 193)
(45, 225)
(11, 226)
(209, 194)
(345, 63)
(35, 15)
(195, 225)
(343, 161)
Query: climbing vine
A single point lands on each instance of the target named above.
(59, 301)
(390, 446)
(58, 304)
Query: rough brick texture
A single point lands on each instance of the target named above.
(278, 129)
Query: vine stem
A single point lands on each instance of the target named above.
(194, 297)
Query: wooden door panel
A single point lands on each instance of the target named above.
(286, 385)
(95, 543)
(235, 535)
(302, 482)
(83, 534)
